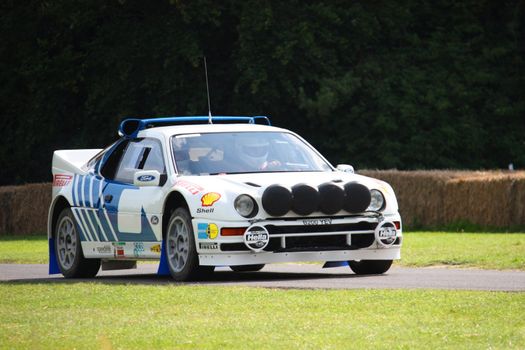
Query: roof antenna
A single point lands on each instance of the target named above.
(207, 91)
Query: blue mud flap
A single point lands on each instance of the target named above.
(53, 264)
(329, 264)
(163, 269)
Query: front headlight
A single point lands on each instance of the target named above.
(377, 201)
(245, 206)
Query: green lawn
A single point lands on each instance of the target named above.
(483, 250)
(23, 250)
(96, 315)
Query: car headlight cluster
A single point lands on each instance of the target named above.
(245, 206)
(377, 201)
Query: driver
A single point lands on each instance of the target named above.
(253, 151)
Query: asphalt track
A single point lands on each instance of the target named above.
(303, 276)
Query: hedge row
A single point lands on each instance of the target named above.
(426, 199)
(438, 198)
(23, 209)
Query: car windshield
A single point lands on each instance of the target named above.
(244, 152)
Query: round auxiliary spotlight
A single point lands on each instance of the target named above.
(386, 234)
(276, 200)
(305, 199)
(357, 197)
(332, 198)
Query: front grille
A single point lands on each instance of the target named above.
(315, 243)
(304, 238)
(309, 243)
(363, 241)
(295, 229)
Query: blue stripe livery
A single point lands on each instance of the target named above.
(88, 194)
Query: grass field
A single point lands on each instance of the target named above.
(483, 250)
(111, 316)
(96, 315)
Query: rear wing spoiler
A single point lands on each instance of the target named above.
(72, 161)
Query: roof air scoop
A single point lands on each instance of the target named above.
(129, 128)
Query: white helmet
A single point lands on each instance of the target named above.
(252, 150)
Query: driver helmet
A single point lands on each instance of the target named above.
(252, 150)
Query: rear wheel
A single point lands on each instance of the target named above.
(370, 267)
(68, 250)
(247, 268)
(183, 260)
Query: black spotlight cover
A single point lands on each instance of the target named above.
(305, 199)
(277, 200)
(332, 198)
(357, 197)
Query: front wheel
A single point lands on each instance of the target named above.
(247, 268)
(370, 267)
(183, 260)
(68, 250)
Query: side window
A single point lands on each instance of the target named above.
(110, 166)
(141, 154)
(94, 160)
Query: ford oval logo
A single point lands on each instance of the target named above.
(146, 178)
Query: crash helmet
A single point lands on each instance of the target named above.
(252, 149)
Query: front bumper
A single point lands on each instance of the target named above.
(267, 258)
(299, 239)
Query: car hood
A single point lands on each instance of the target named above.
(229, 186)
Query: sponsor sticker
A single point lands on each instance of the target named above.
(138, 248)
(119, 249)
(256, 238)
(209, 245)
(191, 187)
(155, 248)
(105, 249)
(119, 252)
(154, 220)
(207, 231)
(212, 231)
(205, 210)
(210, 198)
(146, 178)
(61, 180)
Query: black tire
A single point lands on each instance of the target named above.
(68, 250)
(370, 267)
(181, 253)
(247, 268)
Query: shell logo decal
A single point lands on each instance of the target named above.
(210, 198)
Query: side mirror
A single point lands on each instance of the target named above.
(345, 168)
(146, 178)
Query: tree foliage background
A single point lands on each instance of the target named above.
(378, 84)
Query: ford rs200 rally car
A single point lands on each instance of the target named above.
(201, 192)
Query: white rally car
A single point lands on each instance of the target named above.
(196, 193)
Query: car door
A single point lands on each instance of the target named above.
(128, 212)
